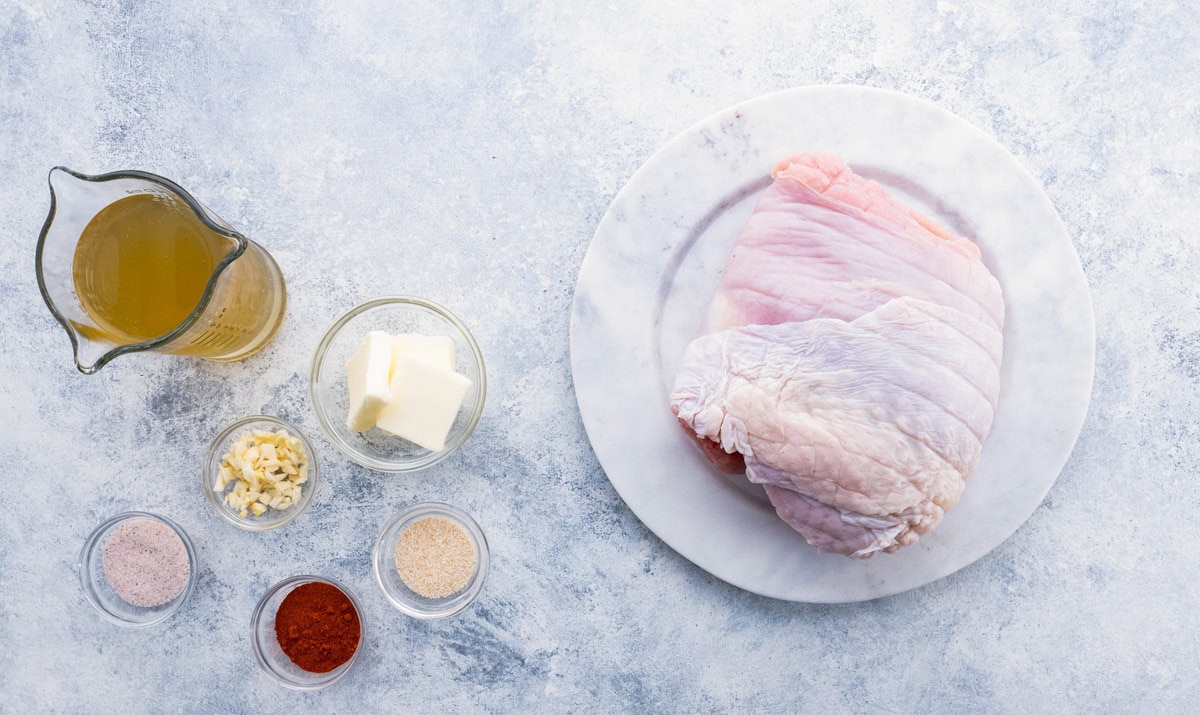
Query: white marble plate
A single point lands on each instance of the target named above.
(654, 264)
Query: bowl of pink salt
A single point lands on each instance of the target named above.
(137, 568)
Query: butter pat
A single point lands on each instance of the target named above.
(425, 401)
(367, 374)
(434, 349)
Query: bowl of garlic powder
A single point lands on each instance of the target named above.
(431, 560)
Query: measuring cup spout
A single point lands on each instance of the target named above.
(70, 193)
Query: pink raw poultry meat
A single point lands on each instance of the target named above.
(850, 361)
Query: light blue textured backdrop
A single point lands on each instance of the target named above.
(464, 152)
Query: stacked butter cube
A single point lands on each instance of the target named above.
(406, 386)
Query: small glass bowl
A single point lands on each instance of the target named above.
(271, 658)
(271, 518)
(102, 596)
(383, 563)
(376, 449)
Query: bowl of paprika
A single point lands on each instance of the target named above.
(306, 632)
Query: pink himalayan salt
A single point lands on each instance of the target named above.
(146, 563)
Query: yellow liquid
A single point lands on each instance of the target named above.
(142, 264)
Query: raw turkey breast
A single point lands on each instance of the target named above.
(850, 361)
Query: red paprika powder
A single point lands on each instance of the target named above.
(317, 627)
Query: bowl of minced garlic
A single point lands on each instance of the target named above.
(431, 560)
(260, 473)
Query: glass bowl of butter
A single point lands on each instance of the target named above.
(398, 383)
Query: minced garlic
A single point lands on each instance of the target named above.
(266, 470)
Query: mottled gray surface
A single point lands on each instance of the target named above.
(465, 153)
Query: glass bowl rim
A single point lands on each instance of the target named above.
(93, 542)
(318, 361)
(261, 658)
(211, 456)
(434, 508)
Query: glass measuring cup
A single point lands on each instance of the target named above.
(108, 303)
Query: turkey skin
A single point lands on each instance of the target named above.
(850, 361)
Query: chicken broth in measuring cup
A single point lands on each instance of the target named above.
(128, 261)
(142, 264)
